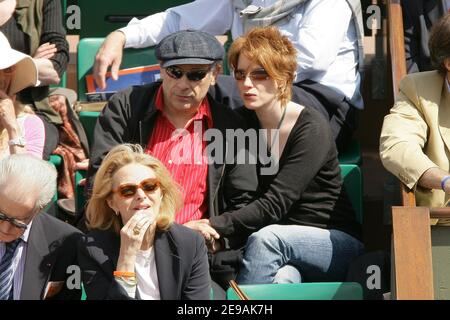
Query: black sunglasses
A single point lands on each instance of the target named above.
(14, 222)
(194, 75)
(257, 74)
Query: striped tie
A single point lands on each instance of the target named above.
(6, 270)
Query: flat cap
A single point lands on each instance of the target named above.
(189, 47)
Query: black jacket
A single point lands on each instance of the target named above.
(129, 117)
(181, 265)
(51, 250)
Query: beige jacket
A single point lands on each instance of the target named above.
(416, 133)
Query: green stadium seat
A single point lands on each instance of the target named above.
(351, 154)
(353, 183)
(301, 291)
(56, 160)
(101, 17)
(52, 207)
(83, 293)
(80, 200)
(88, 119)
(87, 49)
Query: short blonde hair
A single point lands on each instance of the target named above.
(273, 51)
(98, 213)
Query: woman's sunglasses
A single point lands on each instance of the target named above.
(194, 75)
(128, 190)
(14, 222)
(257, 74)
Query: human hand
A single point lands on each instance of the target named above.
(213, 245)
(83, 165)
(109, 54)
(46, 72)
(202, 226)
(45, 51)
(138, 230)
(7, 112)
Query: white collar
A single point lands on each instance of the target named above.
(26, 234)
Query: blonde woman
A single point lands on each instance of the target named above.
(20, 131)
(134, 249)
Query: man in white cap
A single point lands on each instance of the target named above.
(25, 132)
(6, 10)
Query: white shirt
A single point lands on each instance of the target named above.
(18, 261)
(146, 276)
(446, 4)
(321, 30)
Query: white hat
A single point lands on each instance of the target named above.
(26, 73)
(7, 8)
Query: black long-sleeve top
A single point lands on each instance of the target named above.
(52, 31)
(306, 190)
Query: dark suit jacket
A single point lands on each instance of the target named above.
(51, 250)
(418, 17)
(181, 265)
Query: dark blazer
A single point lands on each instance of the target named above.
(418, 17)
(51, 250)
(181, 264)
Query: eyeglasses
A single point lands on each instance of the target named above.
(128, 190)
(14, 222)
(194, 75)
(255, 75)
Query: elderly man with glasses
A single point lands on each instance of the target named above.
(36, 249)
(169, 119)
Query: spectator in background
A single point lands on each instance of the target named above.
(19, 131)
(36, 29)
(327, 34)
(36, 249)
(415, 137)
(6, 10)
(418, 18)
(134, 249)
(302, 226)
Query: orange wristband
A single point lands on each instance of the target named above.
(125, 274)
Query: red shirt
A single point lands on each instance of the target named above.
(182, 152)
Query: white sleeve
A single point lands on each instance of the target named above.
(321, 32)
(212, 16)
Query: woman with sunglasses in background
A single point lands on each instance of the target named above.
(134, 249)
(302, 226)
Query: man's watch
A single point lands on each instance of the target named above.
(20, 142)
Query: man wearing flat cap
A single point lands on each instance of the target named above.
(165, 118)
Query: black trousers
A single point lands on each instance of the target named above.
(342, 116)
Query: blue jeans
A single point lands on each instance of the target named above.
(318, 255)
